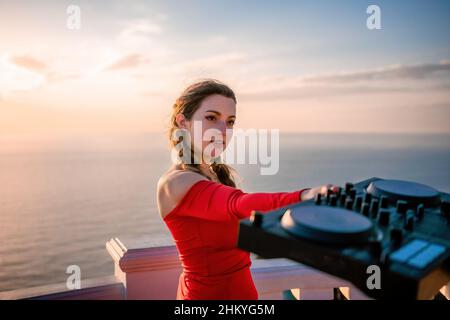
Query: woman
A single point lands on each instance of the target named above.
(201, 205)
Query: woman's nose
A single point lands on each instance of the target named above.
(222, 128)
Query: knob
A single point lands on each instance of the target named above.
(384, 217)
(374, 208)
(318, 199)
(348, 187)
(333, 200)
(338, 192)
(365, 209)
(401, 206)
(445, 207)
(384, 203)
(420, 211)
(409, 220)
(397, 236)
(358, 203)
(349, 203)
(256, 219)
(342, 199)
(367, 197)
(329, 193)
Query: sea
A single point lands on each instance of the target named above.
(63, 198)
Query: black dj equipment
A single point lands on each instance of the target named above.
(399, 229)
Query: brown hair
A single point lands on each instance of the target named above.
(187, 104)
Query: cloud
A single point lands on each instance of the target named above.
(127, 62)
(57, 77)
(214, 62)
(400, 78)
(20, 73)
(138, 33)
(143, 36)
(308, 92)
(29, 63)
(419, 71)
(141, 28)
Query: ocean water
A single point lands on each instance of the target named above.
(60, 201)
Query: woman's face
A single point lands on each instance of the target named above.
(211, 125)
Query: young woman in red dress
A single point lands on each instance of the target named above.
(201, 206)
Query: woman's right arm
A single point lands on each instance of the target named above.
(194, 196)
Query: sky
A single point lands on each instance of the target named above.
(297, 66)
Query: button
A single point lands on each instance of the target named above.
(365, 209)
(318, 199)
(409, 225)
(348, 187)
(342, 199)
(409, 220)
(349, 203)
(374, 208)
(384, 217)
(425, 257)
(384, 202)
(420, 211)
(329, 193)
(333, 200)
(358, 203)
(367, 197)
(407, 251)
(401, 206)
(338, 192)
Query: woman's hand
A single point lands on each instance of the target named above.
(311, 193)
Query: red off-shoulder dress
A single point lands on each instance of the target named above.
(204, 226)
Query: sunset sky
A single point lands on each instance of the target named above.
(306, 66)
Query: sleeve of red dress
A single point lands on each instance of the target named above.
(214, 201)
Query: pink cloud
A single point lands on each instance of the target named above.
(29, 63)
(128, 61)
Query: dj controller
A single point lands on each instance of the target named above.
(401, 227)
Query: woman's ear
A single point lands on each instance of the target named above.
(181, 121)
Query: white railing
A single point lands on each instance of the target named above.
(104, 288)
(147, 269)
(150, 270)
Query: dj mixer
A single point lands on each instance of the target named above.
(400, 227)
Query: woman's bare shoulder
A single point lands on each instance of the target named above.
(172, 186)
(175, 181)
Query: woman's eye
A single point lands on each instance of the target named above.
(231, 122)
(211, 118)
